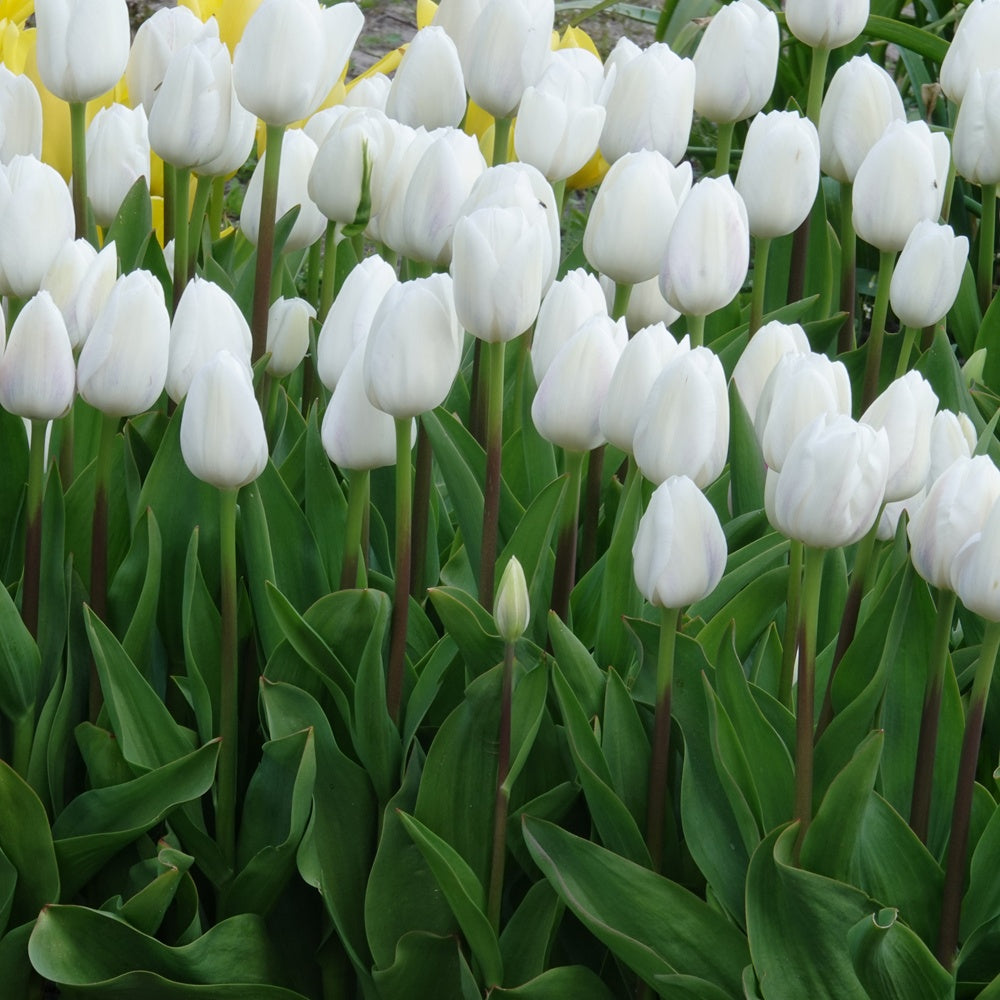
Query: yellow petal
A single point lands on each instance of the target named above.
(577, 38)
(426, 9)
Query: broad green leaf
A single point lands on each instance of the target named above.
(527, 937)
(688, 988)
(53, 599)
(431, 674)
(746, 465)
(751, 611)
(146, 909)
(325, 503)
(653, 925)
(558, 984)
(584, 676)
(135, 591)
(132, 226)
(625, 746)
(14, 443)
(470, 626)
(906, 36)
(20, 662)
(202, 644)
(424, 964)
(16, 973)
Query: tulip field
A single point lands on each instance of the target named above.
(520, 521)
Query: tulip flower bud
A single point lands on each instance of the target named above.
(288, 334)
(736, 62)
(237, 144)
(679, 554)
(975, 570)
(350, 317)
(639, 116)
(497, 271)
(832, 484)
(82, 46)
(290, 56)
(779, 172)
(975, 144)
(763, 352)
(62, 281)
(566, 409)
(123, 364)
(683, 429)
(957, 506)
(297, 155)
(859, 104)
(428, 88)
(414, 347)
(976, 46)
(91, 294)
(222, 431)
(457, 17)
(37, 374)
(370, 92)
(512, 610)
(355, 434)
(117, 156)
(928, 274)
(708, 251)
(906, 410)
(953, 435)
(632, 216)
(641, 362)
(826, 24)
(888, 522)
(20, 117)
(36, 219)
(900, 182)
(567, 305)
(390, 188)
(205, 322)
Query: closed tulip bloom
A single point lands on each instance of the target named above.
(831, 487)
(91, 294)
(355, 434)
(117, 156)
(350, 317)
(560, 119)
(567, 305)
(900, 182)
(906, 410)
(62, 280)
(799, 388)
(708, 251)
(976, 46)
(512, 610)
(36, 220)
(632, 216)
(20, 117)
(679, 553)
(222, 430)
(826, 24)
(237, 144)
(123, 364)
(392, 184)
(414, 348)
(497, 272)
(736, 62)
(953, 435)
(975, 570)
(297, 155)
(859, 104)
(428, 88)
(205, 322)
(37, 374)
(458, 17)
(290, 56)
(976, 143)
(779, 172)
(928, 274)
(641, 362)
(288, 322)
(507, 50)
(683, 429)
(763, 352)
(566, 409)
(82, 46)
(651, 105)
(957, 506)
(646, 304)
(369, 92)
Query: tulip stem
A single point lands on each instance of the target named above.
(502, 800)
(169, 197)
(199, 211)
(696, 330)
(216, 207)
(559, 190)
(493, 358)
(723, 149)
(225, 820)
(181, 233)
(659, 761)
(592, 507)
(565, 569)
(958, 842)
(817, 80)
(909, 339)
(923, 773)
(328, 285)
(873, 362)
(99, 541)
(78, 144)
(33, 527)
(423, 467)
(792, 605)
(265, 240)
(987, 252)
(401, 599)
(359, 492)
(623, 292)
(848, 268)
(762, 250)
(805, 703)
(501, 140)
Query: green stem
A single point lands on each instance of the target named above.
(328, 284)
(659, 761)
(225, 822)
(493, 358)
(169, 197)
(559, 190)
(848, 269)
(873, 361)
(202, 195)
(423, 468)
(909, 339)
(265, 240)
(958, 842)
(813, 579)
(723, 149)
(99, 541)
(33, 527)
(762, 249)
(591, 507)
(313, 269)
(78, 142)
(67, 449)
(623, 292)
(359, 488)
(216, 207)
(401, 600)
(923, 772)
(501, 140)
(181, 233)
(817, 80)
(565, 570)
(696, 330)
(792, 605)
(987, 249)
(502, 800)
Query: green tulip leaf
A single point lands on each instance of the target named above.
(424, 964)
(14, 443)
(20, 662)
(202, 643)
(746, 464)
(16, 973)
(906, 36)
(132, 227)
(625, 746)
(431, 674)
(559, 983)
(528, 935)
(146, 909)
(471, 627)
(325, 502)
(579, 669)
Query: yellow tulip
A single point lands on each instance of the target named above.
(232, 16)
(426, 9)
